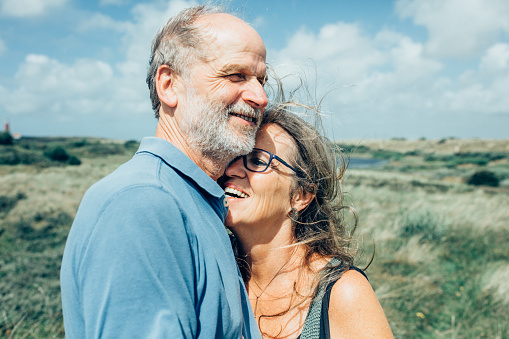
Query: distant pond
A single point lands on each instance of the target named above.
(366, 162)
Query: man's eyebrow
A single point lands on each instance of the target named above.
(241, 69)
(235, 68)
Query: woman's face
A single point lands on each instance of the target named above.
(262, 199)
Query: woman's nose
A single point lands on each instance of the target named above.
(236, 169)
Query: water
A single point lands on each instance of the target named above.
(366, 162)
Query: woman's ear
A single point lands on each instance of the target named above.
(302, 199)
(166, 81)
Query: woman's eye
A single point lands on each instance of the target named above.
(257, 162)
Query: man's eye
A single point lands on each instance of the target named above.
(237, 77)
(262, 81)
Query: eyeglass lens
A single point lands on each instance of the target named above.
(257, 161)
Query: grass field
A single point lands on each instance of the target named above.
(441, 266)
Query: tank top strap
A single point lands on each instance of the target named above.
(316, 325)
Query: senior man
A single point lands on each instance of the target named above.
(147, 255)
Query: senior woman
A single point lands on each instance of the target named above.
(290, 239)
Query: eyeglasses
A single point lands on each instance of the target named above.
(259, 160)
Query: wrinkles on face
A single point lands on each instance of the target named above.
(269, 193)
(235, 67)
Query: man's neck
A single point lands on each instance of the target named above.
(167, 130)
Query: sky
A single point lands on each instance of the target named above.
(385, 69)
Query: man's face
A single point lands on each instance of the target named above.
(229, 83)
(208, 127)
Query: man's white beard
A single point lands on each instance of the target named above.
(209, 132)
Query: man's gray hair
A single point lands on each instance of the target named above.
(178, 44)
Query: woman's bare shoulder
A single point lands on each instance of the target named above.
(354, 310)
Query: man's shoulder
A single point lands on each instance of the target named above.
(140, 176)
(143, 170)
(126, 198)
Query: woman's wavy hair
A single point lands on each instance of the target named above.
(321, 227)
(320, 165)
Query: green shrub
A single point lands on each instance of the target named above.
(8, 156)
(6, 138)
(389, 155)
(131, 144)
(475, 158)
(103, 149)
(57, 153)
(414, 153)
(19, 155)
(483, 178)
(32, 158)
(74, 161)
(80, 143)
(8, 202)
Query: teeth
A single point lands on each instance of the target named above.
(251, 119)
(236, 193)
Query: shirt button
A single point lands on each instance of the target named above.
(225, 202)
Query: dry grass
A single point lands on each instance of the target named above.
(53, 189)
(441, 268)
(39, 205)
(443, 146)
(441, 265)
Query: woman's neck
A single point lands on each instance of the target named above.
(280, 280)
(266, 250)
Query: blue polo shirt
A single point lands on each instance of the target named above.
(148, 256)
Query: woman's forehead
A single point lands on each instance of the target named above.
(275, 139)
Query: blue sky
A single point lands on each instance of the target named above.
(405, 68)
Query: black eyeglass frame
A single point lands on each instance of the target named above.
(272, 156)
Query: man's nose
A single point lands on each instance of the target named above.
(254, 94)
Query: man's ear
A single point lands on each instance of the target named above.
(166, 81)
(302, 199)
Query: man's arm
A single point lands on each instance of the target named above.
(136, 276)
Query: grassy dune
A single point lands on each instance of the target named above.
(441, 266)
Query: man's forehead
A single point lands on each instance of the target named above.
(226, 33)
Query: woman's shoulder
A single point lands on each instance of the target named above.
(352, 287)
(354, 309)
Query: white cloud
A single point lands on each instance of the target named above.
(485, 89)
(395, 81)
(341, 48)
(458, 28)
(496, 59)
(80, 92)
(395, 78)
(378, 67)
(46, 85)
(29, 8)
(137, 40)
